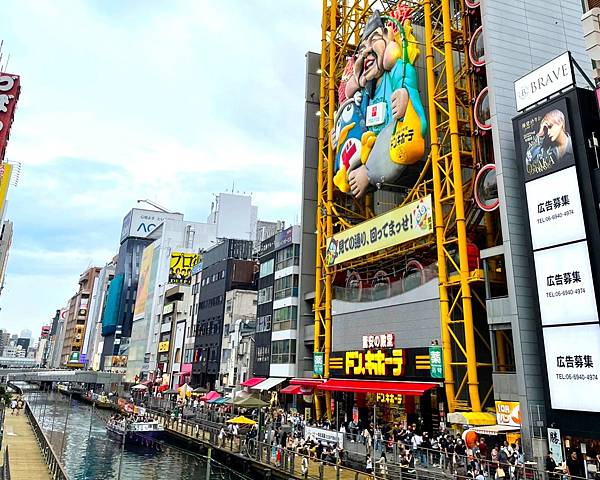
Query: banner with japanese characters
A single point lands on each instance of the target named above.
(555, 211)
(382, 364)
(180, 269)
(565, 285)
(573, 363)
(395, 227)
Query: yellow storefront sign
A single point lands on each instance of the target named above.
(397, 226)
(163, 346)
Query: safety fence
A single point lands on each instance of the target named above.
(51, 458)
(5, 470)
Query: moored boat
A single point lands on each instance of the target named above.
(133, 429)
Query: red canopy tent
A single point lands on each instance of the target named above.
(212, 395)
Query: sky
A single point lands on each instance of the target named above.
(143, 99)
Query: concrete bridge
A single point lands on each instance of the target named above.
(46, 375)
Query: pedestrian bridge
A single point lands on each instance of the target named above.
(46, 375)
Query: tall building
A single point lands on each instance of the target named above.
(166, 263)
(471, 290)
(93, 342)
(225, 267)
(77, 317)
(277, 309)
(4, 339)
(234, 216)
(239, 323)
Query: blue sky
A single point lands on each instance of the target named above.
(121, 100)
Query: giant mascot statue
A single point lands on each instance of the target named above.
(380, 126)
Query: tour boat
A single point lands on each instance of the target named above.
(134, 429)
(103, 402)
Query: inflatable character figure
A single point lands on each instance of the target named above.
(380, 126)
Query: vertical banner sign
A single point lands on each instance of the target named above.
(555, 445)
(10, 87)
(546, 142)
(435, 361)
(180, 269)
(318, 362)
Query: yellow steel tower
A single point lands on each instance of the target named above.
(448, 172)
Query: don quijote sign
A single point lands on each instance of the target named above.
(550, 78)
(10, 87)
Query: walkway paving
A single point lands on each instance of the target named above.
(25, 458)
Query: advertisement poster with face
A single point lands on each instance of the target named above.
(545, 140)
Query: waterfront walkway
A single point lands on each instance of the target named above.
(25, 459)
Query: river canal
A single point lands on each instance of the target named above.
(89, 453)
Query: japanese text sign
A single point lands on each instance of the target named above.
(565, 285)
(180, 269)
(395, 227)
(573, 363)
(555, 211)
(10, 88)
(508, 413)
(381, 364)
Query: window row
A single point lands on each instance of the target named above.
(287, 257)
(211, 302)
(267, 268)
(213, 278)
(265, 295)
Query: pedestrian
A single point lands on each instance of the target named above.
(19, 406)
(304, 466)
(369, 465)
(13, 405)
(383, 469)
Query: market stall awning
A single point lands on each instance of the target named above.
(374, 386)
(306, 382)
(212, 395)
(494, 429)
(218, 401)
(472, 418)
(268, 384)
(251, 382)
(292, 390)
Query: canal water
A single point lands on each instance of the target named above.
(88, 452)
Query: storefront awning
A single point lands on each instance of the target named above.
(306, 382)
(251, 382)
(373, 386)
(472, 418)
(494, 429)
(292, 390)
(268, 384)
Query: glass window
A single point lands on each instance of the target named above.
(287, 257)
(286, 287)
(267, 268)
(283, 351)
(504, 353)
(285, 318)
(265, 295)
(263, 324)
(495, 277)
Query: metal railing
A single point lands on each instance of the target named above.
(5, 470)
(55, 468)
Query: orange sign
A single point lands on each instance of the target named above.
(508, 413)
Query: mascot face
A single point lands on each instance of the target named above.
(369, 63)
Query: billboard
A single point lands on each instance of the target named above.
(144, 281)
(380, 125)
(550, 78)
(544, 137)
(397, 226)
(139, 223)
(180, 267)
(555, 210)
(565, 284)
(10, 88)
(5, 173)
(573, 363)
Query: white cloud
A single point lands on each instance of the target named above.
(171, 101)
